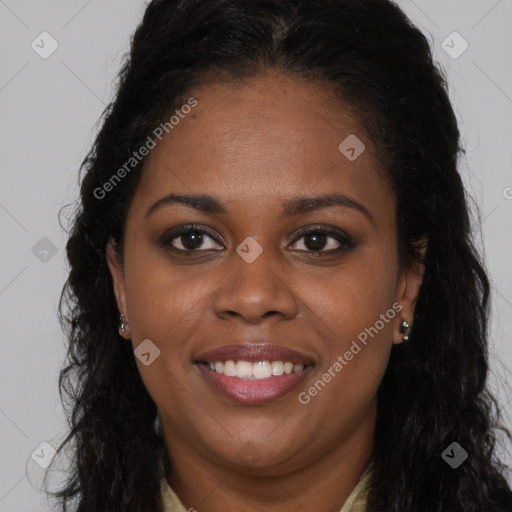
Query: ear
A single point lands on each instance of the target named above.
(116, 271)
(409, 284)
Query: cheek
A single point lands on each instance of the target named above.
(162, 299)
(354, 316)
(165, 305)
(357, 343)
(356, 294)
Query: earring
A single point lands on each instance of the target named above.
(123, 323)
(404, 325)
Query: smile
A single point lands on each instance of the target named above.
(253, 373)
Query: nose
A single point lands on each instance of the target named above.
(254, 291)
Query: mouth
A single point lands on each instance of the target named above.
(254, 373)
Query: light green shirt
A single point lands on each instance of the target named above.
(356, 502)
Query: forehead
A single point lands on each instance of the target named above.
(269, 137)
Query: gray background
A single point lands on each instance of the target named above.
(49, 112)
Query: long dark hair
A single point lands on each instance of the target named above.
(434, 390)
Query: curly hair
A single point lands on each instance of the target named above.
(434, 391)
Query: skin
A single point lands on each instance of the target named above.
(253, 146)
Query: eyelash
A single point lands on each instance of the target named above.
(345, 241)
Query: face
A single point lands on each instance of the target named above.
(263, 275)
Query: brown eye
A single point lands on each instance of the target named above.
(188, 239)
(322, 240)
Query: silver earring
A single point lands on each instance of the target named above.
(404, 325)
(123, 323)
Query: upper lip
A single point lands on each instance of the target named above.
(253, 352)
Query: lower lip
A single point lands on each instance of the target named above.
(253, 391)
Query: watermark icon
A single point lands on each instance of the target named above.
(44, 45)
(49, 463)
(44, 250)
(454, 45)
(143, 151)
(146, 352)
(454, 455)
(249, 454)
(342, 360)
(352, 147)
(507, 192)
(43, 455)
(249, 249)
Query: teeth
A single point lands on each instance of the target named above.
(229, 369)
(261, 370)
(254, 371)
(277, 368)
(243, 369)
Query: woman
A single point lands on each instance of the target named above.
(274, 300)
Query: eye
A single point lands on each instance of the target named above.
(318, 238)
(191, 239)
(188, 239)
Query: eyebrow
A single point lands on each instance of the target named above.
(295, 206)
